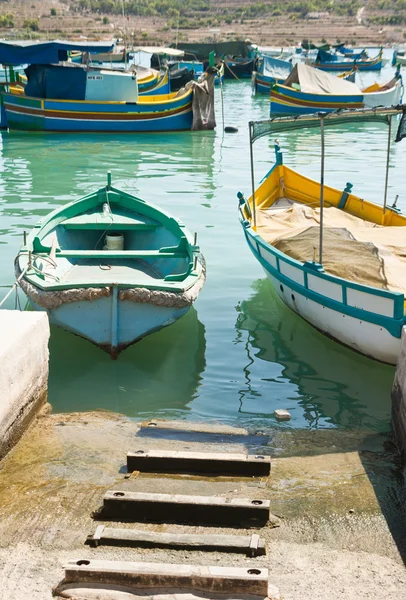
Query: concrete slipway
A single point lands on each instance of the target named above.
(337, 528)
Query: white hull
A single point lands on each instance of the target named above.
(364, 337)
(389, 97)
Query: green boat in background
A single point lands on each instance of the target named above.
(111, 268)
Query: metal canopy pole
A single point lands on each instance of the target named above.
(321, 190)
(387, 164)
(254, 212)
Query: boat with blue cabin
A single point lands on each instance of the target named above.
(308, 90)
(68, 97)
(111, 268)
(334, 258)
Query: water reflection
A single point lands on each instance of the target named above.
(160, 375)
(329, 384)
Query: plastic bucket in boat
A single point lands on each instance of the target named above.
(114, 241)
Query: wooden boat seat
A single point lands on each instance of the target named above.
(97, 254)
(117, 222)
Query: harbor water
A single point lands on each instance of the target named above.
(239, 354)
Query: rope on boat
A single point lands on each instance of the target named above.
(55, 298)
(232, 73)
(15, 287)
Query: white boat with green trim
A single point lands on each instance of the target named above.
(111, 268)
(335, 259)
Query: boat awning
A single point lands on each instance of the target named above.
(314, 81)
(45, 53)
(160, 51)
(279, 124)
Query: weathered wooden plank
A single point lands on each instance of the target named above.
(174, 508)
(224, 580)
(251, 545)
(218, 463)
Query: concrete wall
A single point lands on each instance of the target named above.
(23, 371)
(399, 399)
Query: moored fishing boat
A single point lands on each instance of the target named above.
(308, 90)
(111, 268)
(270, 70)
(78, 98)
(237, 67)
(354, 291)
(331, 62)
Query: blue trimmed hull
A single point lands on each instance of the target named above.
(112, 330)
(58, 115)
(287, 101)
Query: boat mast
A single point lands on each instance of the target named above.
(251, 125)
(124, 35)
(321, 188)
(387, 165)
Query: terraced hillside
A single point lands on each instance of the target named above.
(271, 22)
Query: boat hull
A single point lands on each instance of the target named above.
(318, 300)
(287, 101)
(349, 65)
(110, 323)
(32, 114)
(263, 83)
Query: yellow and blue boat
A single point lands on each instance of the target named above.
(334, 258)
(77, 98)
(111, 268)
(308, 90)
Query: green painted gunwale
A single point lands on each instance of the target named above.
(154, 217)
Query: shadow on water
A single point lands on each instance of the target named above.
(165, 365)
(333, 387)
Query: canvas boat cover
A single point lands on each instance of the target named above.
(354, 249)
(275, 67)
(314, 81)
(45, 53)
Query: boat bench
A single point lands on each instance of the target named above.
(115, 223)
(120, 254)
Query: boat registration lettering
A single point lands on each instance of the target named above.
(95, 77)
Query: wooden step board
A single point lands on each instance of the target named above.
(173, 508)
(137, 575)
(216, 463)
(251, 545)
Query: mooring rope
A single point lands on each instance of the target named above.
(15, 286)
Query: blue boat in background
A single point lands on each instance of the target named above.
(327, 61)
(270, 70)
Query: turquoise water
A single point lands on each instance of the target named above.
(239, 354)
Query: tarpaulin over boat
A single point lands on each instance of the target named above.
(313, 81)
(40, 53)
(354, 249)
(53, 81)
(323, 56)
(276, 68)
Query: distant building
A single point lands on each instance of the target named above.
(317, 15)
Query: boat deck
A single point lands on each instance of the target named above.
(107, 272)
(353, 249)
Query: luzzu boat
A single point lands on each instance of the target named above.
(308, 90)
(270, 70)
(111, 268)
(61, 96)
(354, 290)
(332, 62)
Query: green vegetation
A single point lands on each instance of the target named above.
(7, 21)
(53, 12)
(32, 24)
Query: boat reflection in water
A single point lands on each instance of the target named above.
(158, 376)
(330, 386)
